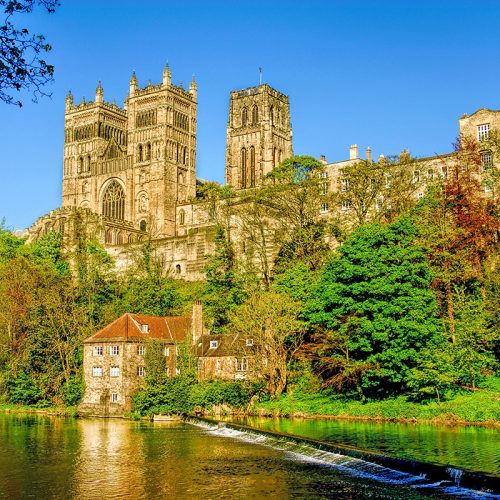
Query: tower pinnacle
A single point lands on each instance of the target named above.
(133, 84)
(167, 75)
(99, 94)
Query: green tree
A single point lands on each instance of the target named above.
(225, 288)
(374, 300)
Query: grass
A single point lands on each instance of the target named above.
(481, 406)
(69, 411)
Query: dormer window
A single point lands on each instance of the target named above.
(144, 328)
(213, 344)
(249, 342)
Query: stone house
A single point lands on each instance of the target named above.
(113, 358)
(227, 356)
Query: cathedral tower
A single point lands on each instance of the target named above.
(259, 135)
(132, 165)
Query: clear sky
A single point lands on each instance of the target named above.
(385, 74)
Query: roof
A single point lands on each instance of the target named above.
(227, 345)
(130, 327)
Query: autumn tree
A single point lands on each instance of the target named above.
(271, 319)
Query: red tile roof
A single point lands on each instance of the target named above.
(128, 327)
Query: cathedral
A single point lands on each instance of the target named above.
(132, 171)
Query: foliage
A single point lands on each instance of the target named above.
(224, 290)
(23, 390)
(22, 66)
(218, 392)
(72, 391)
(375, 308)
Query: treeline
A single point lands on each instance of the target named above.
(368, 292)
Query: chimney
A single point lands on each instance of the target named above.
(368, 154)
(197, 322)
(322, 159)
(353, 152)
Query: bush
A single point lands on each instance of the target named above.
(208, 394)
(23, 390)
(72, 391)
(171, 396)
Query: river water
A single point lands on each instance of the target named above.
(50, 457)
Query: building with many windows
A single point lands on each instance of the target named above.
(129, 173)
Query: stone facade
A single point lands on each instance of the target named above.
(131, 172)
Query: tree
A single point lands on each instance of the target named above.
(22, 66)
(225, 288)
(272, 320)
(375, 303)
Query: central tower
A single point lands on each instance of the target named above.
(259, 135)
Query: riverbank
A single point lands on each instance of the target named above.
(57, 411)
(475, 408)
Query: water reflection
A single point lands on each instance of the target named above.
(102, 458)
(465, 447)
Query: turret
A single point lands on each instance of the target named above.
(193, 88)
(69, 100)
(99, 94)
(167, 76)
(133, 84)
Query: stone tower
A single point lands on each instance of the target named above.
(132, 165)
(259, 134)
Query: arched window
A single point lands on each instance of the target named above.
(274, 157)
(113, 201)
(88, 163)
(119, 238)
(148, 151)
(271, 115)
(139, 153)
(130, 238)
(178, 269)
(80, 165)
(143, 225)
(255, 114)
(108, 236)
(252, 167)
(243, 168)
(182, 217)
(244, 117)
(184, 155)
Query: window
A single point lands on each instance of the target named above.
(483, 132)
(243, 168)
(198, 364)
(143, 226)
(346, 204)
(217, 364)
(144, 328)
(96, 371)
(139, 153)
(177, 371)
(416, 176)
(249, 342)
(213, 344)
(242, 364)
(244, 117)
(148, 152)
(344, 185)
(255, 115)
(324, 208)
(113, 201)
(98, 350)
(182, 217)
(166, 351)
(430, 174)
(252, 167)
(178, 269)
(114, 350)
(486, 160)
(444, 172)
(271, 115)
(141, 371)
(114, 371)
(140, 350)
(114, 397)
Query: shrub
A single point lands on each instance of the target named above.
(72, 391)
(23, 390)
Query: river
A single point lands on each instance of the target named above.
(52, 457)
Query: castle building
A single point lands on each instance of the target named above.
(131, 171)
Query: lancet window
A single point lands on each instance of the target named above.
(113, 202)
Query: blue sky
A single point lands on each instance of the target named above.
(384, 74)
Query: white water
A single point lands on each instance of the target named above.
(356, 467)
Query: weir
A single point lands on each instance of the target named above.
(438, 479)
